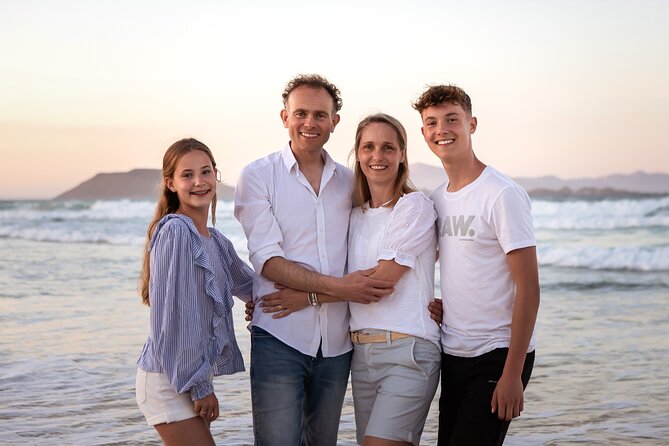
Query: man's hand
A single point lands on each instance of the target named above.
(436, 309)
(284, 302)
(508, 399)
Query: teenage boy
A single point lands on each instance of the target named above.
(489, 279)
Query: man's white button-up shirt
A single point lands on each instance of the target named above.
(282, 216)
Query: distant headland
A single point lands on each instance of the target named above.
(138, 184)
(144, 184)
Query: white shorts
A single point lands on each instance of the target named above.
(393, 386)
(159, 402)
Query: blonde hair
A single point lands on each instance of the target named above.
(402, 183)
(168, 203)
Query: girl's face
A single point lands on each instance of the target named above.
(194, 181)
(379, 155)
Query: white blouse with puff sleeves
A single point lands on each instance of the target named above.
(407, 235)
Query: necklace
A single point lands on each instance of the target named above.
(387, 202)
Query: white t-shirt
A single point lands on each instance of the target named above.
(407, 235)
(477, 226)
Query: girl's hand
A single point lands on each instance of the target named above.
(207, 408)
(250, 306)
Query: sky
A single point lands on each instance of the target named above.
(567, 88)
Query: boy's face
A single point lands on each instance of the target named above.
(448, 130)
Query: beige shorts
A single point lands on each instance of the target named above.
(159, 402)
(393, 385)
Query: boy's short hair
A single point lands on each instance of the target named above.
(438, 94)
(313, 81)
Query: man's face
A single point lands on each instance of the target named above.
(448, 130)
(309, 117)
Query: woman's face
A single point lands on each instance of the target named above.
(379, 155)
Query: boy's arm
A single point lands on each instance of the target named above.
(508, 400)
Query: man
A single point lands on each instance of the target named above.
(489, 279)
(294, 207)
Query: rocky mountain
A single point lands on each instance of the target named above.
(427, 177)
(144, 184)
(639, 182)
(138, 184)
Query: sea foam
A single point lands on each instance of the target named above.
(604, 214)
(633, 258)
(612, 234)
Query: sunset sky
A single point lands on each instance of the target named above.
(566, 88)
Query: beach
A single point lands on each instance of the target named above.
(72, 327)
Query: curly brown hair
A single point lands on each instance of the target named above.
(313, 81)
(438, 94)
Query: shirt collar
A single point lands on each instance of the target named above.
(290, 162)
(288, 157)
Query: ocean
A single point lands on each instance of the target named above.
(72, 327)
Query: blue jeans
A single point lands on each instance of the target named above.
(297, 399)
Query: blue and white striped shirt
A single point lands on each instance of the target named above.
(192, 336)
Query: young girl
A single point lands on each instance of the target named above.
(189, 275)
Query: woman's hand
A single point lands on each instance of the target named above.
(207, 408)
(284, 302)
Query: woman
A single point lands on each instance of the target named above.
(396, 356)
(189, 275)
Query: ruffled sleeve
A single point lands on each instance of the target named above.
(222, 351)
(175, 315)
(241, 275)
(410, 230)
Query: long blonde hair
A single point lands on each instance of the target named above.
(402, 183)
(168, 203)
